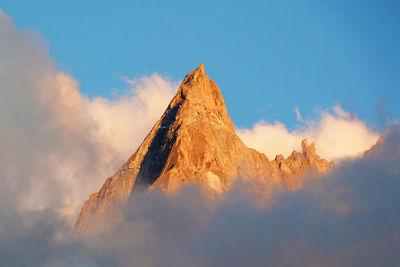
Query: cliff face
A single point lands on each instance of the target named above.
(195, 142)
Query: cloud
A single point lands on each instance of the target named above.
(347, 218)
(58, 146)
(337, 135)
(124, 122)
(298, 115)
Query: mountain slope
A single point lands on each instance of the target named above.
(195, 142)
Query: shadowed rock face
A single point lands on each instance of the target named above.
(195, 142)
(158, 152)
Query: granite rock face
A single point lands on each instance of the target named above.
(195, 142)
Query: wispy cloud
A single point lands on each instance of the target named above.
(298, 115)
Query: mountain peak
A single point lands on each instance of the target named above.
(200, 99)
(199, 70)
(194, 74)
(194, 141)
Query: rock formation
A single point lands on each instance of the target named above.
(195, 142)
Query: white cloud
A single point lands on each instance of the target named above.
(337, 135)
(58, 146)
(123, 122)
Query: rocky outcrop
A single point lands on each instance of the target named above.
(298, 164)
(195, 142)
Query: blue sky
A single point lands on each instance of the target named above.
(268, 57)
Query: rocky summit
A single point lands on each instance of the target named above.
(195, 142)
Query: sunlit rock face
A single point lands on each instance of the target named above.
(195, 142)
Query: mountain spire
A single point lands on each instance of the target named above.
(194, 142)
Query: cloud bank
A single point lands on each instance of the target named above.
(57, 146)
(348, 218)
